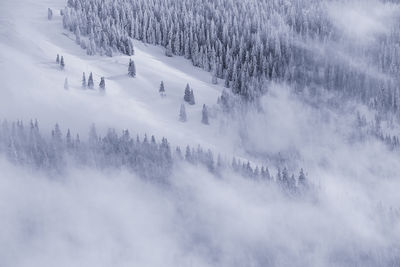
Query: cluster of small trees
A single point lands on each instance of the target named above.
(248, 43)
(188, 97)
(374, 129)
(26, 145)
(90, 82)
(60, 61)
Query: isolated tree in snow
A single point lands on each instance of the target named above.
(186, 96)
(49, 14)
(66, 86)
(182, 113)
(132, 68)
(204, 118)
(90, 81)
(58, 59)
(162, 89)
(84, 85)
(192, 101)
(62, 64)
(102, 84)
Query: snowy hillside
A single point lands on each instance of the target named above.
(293, 163)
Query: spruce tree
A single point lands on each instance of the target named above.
(132, 68)
(187, 95)
(162, 89)
(182, 113)
(62, 64)
(192, 101)
(102, 84)
(49, 14)
(90, 81)
(84, 85)
(204, 118)
(302, 178)
(66, 86)
(168, 51)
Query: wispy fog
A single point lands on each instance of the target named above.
(87, 217)
(362, 20)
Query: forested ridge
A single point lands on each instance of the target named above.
(54, 153)
(248, 44)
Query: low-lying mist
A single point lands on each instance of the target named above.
(114, 218)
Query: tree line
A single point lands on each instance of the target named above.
(147, 157)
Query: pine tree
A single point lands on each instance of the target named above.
(77, 36)
(204, 118)
(187, 95)
(162, 89)
(66, 86)
(49, 14)
(182, 113)
(168, 51)
(132, 68)
(84, 85)
(302, 179)
(90, 81)
(192, 101)
(62, 64)
(102, 84)
(214, 79)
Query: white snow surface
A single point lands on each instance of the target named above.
(33, 85)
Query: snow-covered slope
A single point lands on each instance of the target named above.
(29, 45)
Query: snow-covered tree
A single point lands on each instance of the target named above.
(62, 63)
(90, 81)
(162, 89)
(132, 68)
(102, 84)
(187, 94)
(84, 84)
(192, 101)
(182, 113)
(204, 117)
(49, 14)
(66, 86)
(168, 50)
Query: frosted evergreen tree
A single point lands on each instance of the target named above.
(302, 179)
(182, 113)
(90, 81)
(84, 84)
(62, 63)
(102, 84)
(192, 101)
(49, 14)
(187, 95)
(168, 51)
(214, 79)
(77, 36)
(66, 86)
(58, 59)
(131, 68)
(204, 118)
(162, 89)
